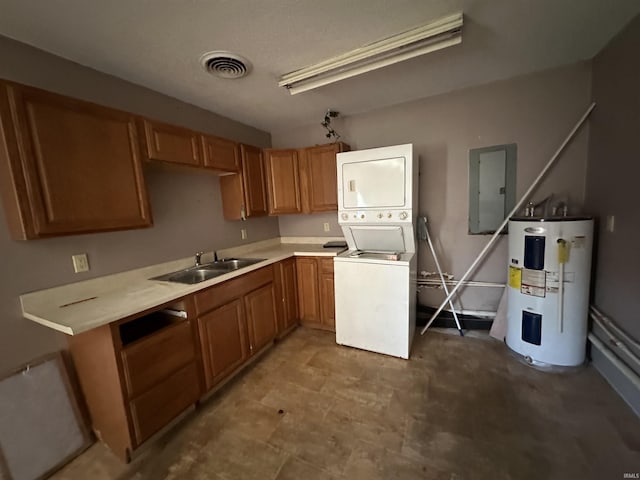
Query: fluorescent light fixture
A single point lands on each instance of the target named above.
(415, 42)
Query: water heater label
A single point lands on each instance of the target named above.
(553, 283)
(515, 277)
(533, 282)
(578, 242)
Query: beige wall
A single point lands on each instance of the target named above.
(186, 203)
(536, 112)
(613, 176)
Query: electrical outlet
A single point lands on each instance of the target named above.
(80, 263)
(243, 233)
(611, 223)
(327, 227)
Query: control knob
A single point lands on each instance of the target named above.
(345, 216)
(380, 215)
(403, 215)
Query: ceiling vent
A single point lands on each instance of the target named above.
(225, 64)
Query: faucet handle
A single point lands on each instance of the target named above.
(198, 258)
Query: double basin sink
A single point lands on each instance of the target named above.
(207, 271)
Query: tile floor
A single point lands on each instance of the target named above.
(461, 408)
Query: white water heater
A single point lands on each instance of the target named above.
(548, 288)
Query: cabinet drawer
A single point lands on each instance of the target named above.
(326, 265)
(225, 292)
(148, 361)
(155, 408)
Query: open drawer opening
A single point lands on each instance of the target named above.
(151, 323)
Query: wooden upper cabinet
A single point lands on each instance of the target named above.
(220, 154)
(68, 166)
(253, 172)
(169, 143)
(283, 181)
(243, 194)
(320, 173)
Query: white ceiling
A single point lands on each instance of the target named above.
(157, 43)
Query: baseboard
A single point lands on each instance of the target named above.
(445, 319)
(621, 378)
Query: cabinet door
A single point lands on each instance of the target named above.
(171, 144)
(327, 302)
(283, 181)
(70, 166)
(243, 194)
(220, 154)
(322, 183)
(224, 341)
(253, 180)
(308, 298)
(289, 281)
(260, 306)
(286, 294)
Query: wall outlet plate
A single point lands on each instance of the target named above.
(243, 233)
(327, 227)
(80, 263)
(611, 223)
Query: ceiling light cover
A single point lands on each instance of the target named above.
(225, 64)
(433, 36)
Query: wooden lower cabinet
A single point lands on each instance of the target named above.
(327, 302)
(156, 407)
(260, 307)
(138, 374)
(237, 319)
(223, 339)
(308, 293)
(286, 295)
(316, 299)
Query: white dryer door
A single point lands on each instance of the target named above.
(374, 183)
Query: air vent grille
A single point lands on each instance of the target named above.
(225, 64)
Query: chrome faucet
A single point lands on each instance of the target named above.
(198, 258)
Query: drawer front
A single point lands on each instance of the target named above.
(225, 292)
(326, 265)
(148, 361)
(157, 407)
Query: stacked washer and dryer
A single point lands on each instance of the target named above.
(375, 279)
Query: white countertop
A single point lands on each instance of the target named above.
(78, 307)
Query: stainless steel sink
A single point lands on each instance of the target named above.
(207, 271)
(230, 264)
